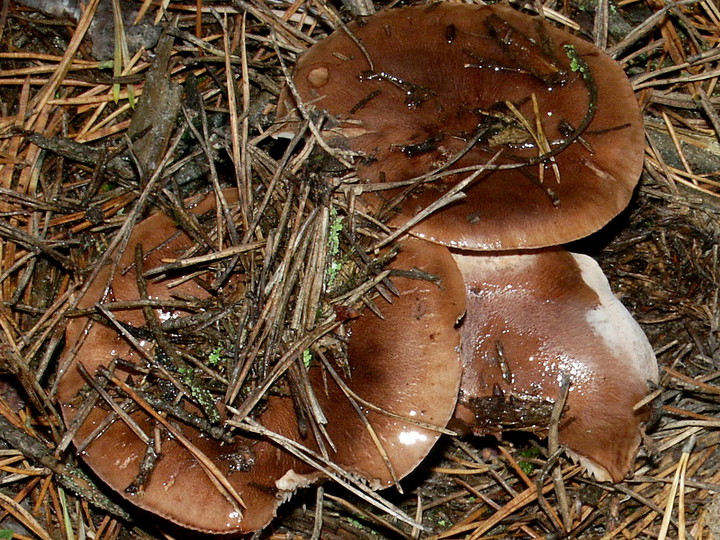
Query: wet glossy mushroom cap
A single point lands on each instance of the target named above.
(178, 482)
(532, 318)
(408, 364)
(431, 78)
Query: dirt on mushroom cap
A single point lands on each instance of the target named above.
(431, 81)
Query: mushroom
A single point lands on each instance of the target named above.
(536, 318)
(420, 88)
(429, 94)
(411, 369)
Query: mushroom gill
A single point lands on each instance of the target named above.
(405, 369)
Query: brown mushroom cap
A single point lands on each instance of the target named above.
(532, 318)
(407, 364)
(442, 74)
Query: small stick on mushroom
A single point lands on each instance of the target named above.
(554, 452)
(382, 419)
(557, 318)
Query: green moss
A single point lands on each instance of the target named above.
(201, 395)
(307, 357)
(576, 63)
(526, 466)
(336, 226)
(214, 357)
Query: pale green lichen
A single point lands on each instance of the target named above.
(307, 357)
(336, 226)
(202, 396)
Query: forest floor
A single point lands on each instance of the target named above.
(74, 96)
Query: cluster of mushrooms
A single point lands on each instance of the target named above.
(531, 138)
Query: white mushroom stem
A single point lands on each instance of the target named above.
(535, 317)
